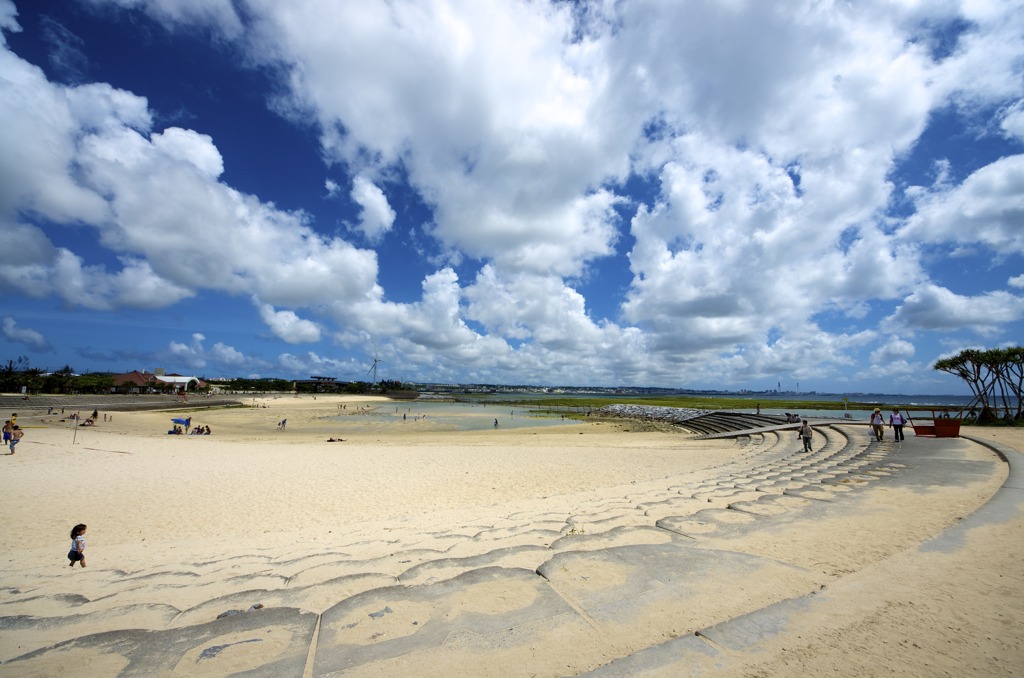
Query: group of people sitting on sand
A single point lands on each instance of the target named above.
(197, 431)
(88, 421)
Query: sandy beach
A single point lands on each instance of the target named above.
(250, 486)
(251, 498)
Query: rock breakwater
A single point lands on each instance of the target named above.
(674, 415)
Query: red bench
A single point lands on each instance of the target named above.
(940, 427)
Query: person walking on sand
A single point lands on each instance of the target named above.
(8, 429)
(16, 435)
(896, 421)
(805, 434)
(77, 552)
(877, 424)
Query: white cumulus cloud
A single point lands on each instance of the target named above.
(987, 209)
(937, 308)
(23, 335)
(376, 217)
(288, 326)
(640, 192)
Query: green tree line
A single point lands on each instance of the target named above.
(18, 374)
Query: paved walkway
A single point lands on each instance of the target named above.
(84, 404)
(652, 581)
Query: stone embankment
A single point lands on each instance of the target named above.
(701, 422)
(40, 404)
(675, 415)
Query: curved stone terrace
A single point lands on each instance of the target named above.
(677, 576)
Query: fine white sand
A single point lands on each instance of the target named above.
(249, 485)
(157, 503)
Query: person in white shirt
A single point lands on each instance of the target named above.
(896, 421)
(877, 424)
(77, 552)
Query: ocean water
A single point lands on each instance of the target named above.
(886, 402)
(888, 399)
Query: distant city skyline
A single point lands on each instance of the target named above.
(682, 195)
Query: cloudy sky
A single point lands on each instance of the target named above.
(696, 194)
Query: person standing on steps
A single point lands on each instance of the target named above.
(805, 433)
(877, 424)
(896, 421)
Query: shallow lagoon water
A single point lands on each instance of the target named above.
(448, 416)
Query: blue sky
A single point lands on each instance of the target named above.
(691, 194)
